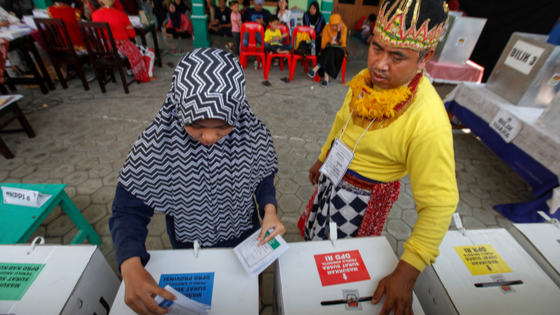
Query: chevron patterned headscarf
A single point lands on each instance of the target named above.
(208, 190)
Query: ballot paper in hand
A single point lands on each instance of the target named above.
(255, 259)
(182, 305)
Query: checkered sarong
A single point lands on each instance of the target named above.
(358, 209)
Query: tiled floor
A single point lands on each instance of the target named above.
(83, 138)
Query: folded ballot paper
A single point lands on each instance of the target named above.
(182, 305)
(255, 259)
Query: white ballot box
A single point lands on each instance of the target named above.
(485, 272)
(310, 274)
(215, 278)
(542, 242)
(70, 279)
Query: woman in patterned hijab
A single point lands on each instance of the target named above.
(201, 162)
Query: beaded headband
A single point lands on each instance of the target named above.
(391, 26)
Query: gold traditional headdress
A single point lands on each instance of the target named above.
(392, 20)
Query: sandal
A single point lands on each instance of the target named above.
(266, 83)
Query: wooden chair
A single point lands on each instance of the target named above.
(60, 48)
(16, 113)
(103, 53)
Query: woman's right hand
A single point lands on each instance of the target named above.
(314, 172)
(141, 288)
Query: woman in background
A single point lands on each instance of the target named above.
(283, 14)
(178, 25)
(333, 45)
(314, 19)
(141, 58)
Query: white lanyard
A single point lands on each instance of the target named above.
(340, 157)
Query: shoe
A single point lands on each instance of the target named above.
(324, 84)
(229, 49)
(311, 74)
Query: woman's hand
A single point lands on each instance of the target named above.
(141, 288)
(314, 173)
(270, 221)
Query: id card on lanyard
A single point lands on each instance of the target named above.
(340, 157)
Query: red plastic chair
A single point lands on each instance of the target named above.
(284, 30)
(343, 69)
(296, 57)
(252, 50)
(360, 22)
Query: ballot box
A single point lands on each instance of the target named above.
(213, 276)
(64, 279)
(550, 118)
(322, 278)
(459, 40)
(542, 243)
(528, 71)
(485, 272)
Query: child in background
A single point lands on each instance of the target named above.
(235, 28)
(365, 31)
(273, 38)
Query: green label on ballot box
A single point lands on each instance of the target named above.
(15, 279)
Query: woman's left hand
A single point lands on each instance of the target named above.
(270, 221)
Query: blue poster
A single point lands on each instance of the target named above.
(195, 286)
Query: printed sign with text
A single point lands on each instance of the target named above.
(482, 259)
(506, 125)
(195, 286)
(523, 56)
(341, 267)
(15, 279)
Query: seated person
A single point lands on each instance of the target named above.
(273, 38)
(222, 20)
(97, 4)
(178, 25)
(70, 17)
(333, 50)
(141, 58)
(235, 28)
(258, 15)
(365, 32)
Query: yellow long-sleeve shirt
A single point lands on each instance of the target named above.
(419, 143)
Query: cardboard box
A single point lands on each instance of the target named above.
(233, 290)
(299, 275)
(64, 280)
(448, 286)
(542, 242)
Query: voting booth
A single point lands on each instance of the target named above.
(542, 243)
(485, 272)
(66, 280)
(319, 278)
(211, 276)
(528, 71)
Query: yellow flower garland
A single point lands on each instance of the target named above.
(375, 104)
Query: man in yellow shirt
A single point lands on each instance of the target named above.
(392, 123)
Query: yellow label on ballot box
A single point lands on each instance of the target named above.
(482, 259)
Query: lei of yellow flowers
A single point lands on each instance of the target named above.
(375, 104)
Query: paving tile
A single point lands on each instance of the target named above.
(94, 213)
(60, 226)
(36, 177)
(484, 216)
(100, 170)
(398, 229)
(157, 225)
(74, 157)
(55, 213)
(396, 212)
(38, 157)
(40, 231)
(470, 198)
(23, 171)
(62, 171)
(410, 217)
(305, 193)
(405, 201)
(154, 243)
(165, 241)
(75, 178)
(102, 227)
(285, 171)
(298, 153)
(479, 192)
(392, 241)
(89, 186)
(472, 223)
(290, 221)
(4, 175)
(50, 163)
(8, 165)
(500, 198)
(107, 246)
(111, 179)
(70, 191)
(289, 203)
(464, 209)
(302, 178)
(287, 186)
(301, 165)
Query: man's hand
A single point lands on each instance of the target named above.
(141, 288)
(314, 173)
(270, 221)
(398, 286)
(260, 21)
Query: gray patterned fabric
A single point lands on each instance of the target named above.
(207, 189)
